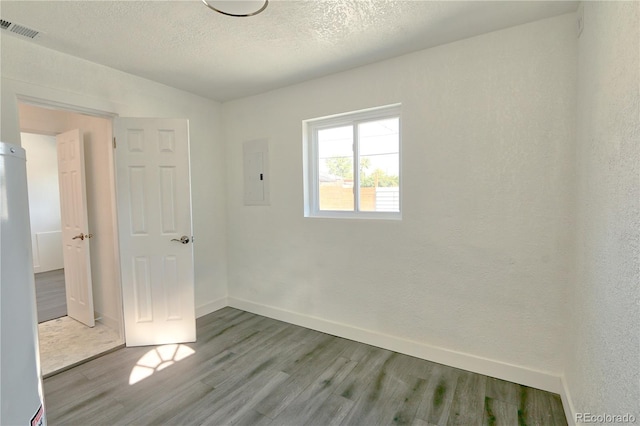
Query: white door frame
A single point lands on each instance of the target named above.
(55, 105)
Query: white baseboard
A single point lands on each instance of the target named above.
(209, 307)
(512, 373)
(567, 403)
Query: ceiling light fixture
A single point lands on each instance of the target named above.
(237, 8)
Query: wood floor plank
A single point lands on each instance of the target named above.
(555, 402)
(382, 398)
(467, 407)
(332, 411)
(252, 418)
(355, 351)
(322, 350)
(412, 400)
(499, 413)
(162, 406)
(244, 341)
(155, 387)
(227, 331)
(60, 383)
(299, 349)
(94, 411)
(534, 408)
(502, 390)
(357, 382)
(51, 299)
(229, 398)
(264, 349)
(63, 389)
(436, 403)
(226, 313)
(380, 404)
(105, 366)
(408, 368)
(250, 370)
(303, 370)
(420, 422)
(307, 403)
(79, 398)
(245, 402)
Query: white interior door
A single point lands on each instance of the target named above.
(154, 215)
(75, 227)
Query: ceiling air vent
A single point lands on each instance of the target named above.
(18, 29)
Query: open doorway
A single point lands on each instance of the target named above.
(65, 342)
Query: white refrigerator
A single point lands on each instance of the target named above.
(21, 395)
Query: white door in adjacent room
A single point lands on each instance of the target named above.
(75, 227)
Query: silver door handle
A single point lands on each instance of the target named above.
(184, 239)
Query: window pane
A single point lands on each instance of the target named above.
(335, 168)
(379, 165)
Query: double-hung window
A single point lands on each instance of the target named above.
(352, 164)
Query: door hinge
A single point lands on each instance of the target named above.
(114, 143)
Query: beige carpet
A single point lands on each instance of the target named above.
(65, 342)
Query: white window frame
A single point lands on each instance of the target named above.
(311, 161)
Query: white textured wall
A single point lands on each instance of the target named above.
(603, 366)
(30, 70)
(44, 201)
(480, 262)
(42, 175)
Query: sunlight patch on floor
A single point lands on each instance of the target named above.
(158, 359)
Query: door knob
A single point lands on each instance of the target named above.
(82, 236)
(184, 239)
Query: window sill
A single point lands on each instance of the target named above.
(330, 214)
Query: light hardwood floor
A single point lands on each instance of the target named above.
(250, 370)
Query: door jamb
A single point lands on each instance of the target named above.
(60, 106)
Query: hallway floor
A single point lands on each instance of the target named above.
(64, 342)
(51, 299)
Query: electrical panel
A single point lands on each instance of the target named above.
(256, 172)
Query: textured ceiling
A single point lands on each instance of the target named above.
(186, 45)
